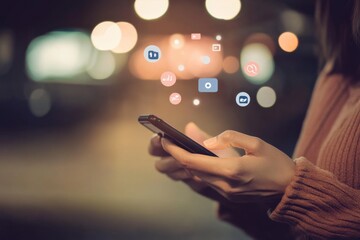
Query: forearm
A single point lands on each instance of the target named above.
(319, 205)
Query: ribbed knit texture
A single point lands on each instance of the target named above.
(323, 199)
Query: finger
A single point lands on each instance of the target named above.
(199, 162)
(195, 133)
(180, 175)
(155, 147)
(167, 165)
(231, 138)
(199, 136)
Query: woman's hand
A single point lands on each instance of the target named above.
(173, 168)
(263, 171)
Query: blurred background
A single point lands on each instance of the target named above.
(73, 80)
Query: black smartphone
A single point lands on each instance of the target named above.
(156, 125)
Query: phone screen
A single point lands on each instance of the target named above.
(157, 125)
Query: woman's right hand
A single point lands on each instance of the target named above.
(172, 168)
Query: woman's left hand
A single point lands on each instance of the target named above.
(263, 171)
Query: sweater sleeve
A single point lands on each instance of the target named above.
(319, 205)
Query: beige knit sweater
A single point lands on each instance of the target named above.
(323, 199)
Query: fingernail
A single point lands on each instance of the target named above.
(209, 142)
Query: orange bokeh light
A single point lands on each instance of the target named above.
(231, 64)
(288, 41)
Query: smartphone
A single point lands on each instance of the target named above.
(160, 127)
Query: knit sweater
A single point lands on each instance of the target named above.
(323, 199)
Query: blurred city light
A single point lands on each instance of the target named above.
(261, 55)
(106, 36)
(293, 21)
(288, 41)
(177, 41)
(196, 102)
(223, 9)
(6, 51)
(103, 66)
(39, 102)
(186, 62)
(266, 97)
(231, 64)
(58, 55)
(128, 39)
(151, 9)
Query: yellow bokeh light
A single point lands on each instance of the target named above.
(288, 41)
(128, 39)
(177, 41)
(106, 36)
(231, 64)
(223, 9)
(151, 9)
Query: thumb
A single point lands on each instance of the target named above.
(195, 133)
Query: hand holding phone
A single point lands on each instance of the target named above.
(158, 126)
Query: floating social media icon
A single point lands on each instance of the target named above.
(175, 98)
(216, 47)
(152, 53)
(242, 99)
(251, 69)
(208, 85)
(195, 36)
(168, 79)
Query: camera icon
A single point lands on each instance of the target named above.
(208, 85)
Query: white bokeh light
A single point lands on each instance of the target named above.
(151, 9)
(196, 102)
(261, 55)
(266, 97)
(223, 9)
(106, 36)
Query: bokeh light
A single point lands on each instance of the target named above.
(261, 55)
(288, 41)
(293, 21)
(231, 64)
(266, 97)
(181, 67)
(103, 66)
(177, 41)
(196, 102)
(223, 9)
(39, 102)
(151, 9)
(58, 55)
(185, 62)
(128, 39)
(106, 36)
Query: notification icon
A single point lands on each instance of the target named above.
(251, 69)
(216, 47)
(168, 79)
(175, 98)
(195, 36)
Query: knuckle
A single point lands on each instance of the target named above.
(257, 143)
(228, 135)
